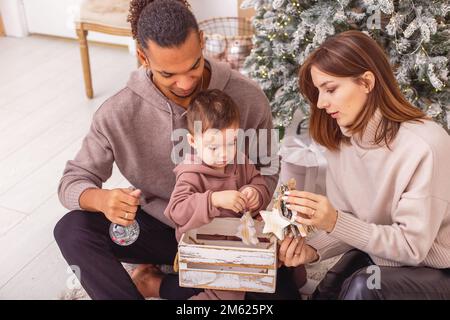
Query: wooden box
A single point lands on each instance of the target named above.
(211, 257)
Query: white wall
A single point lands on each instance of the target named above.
(55, 17)
(205, 9)
(13, 18)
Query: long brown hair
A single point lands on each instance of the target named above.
(351, 54)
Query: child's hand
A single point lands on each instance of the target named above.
(252, 198)
(230, 199)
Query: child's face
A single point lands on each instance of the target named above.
(216, 148)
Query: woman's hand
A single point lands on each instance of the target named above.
(315, 209)
(294, 252)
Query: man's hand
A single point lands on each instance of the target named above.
(120, 205)
(294, 252)
(230, 199)
(252, 196)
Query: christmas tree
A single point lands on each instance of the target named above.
(414, 33)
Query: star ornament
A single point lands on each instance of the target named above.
(274, 222)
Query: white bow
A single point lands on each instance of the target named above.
(295, 151)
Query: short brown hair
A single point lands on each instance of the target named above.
(351, 54)
(215, 109)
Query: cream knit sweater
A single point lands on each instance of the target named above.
(392, 204)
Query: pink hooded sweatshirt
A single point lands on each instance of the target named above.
(190, 204)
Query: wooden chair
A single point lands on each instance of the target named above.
(105, 16)
(2, 28)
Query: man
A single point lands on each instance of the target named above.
(133, 128)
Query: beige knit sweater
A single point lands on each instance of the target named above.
(392, 204)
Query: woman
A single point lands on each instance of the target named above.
(388, 181)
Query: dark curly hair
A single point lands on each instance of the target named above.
(166, 22)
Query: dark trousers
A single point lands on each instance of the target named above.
(84, 241)
(354, 278)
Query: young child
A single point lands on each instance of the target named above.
(210, 183)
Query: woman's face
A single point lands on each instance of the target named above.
(341, 97)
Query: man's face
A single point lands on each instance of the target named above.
(177, 71)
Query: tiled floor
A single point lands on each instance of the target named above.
(44, 115)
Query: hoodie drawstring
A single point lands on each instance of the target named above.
(171, 122)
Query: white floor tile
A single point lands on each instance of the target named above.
(45, 277)
(8, 219)
(44, 115)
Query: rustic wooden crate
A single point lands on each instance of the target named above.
(227, 264)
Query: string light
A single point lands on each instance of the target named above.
(279, 30)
